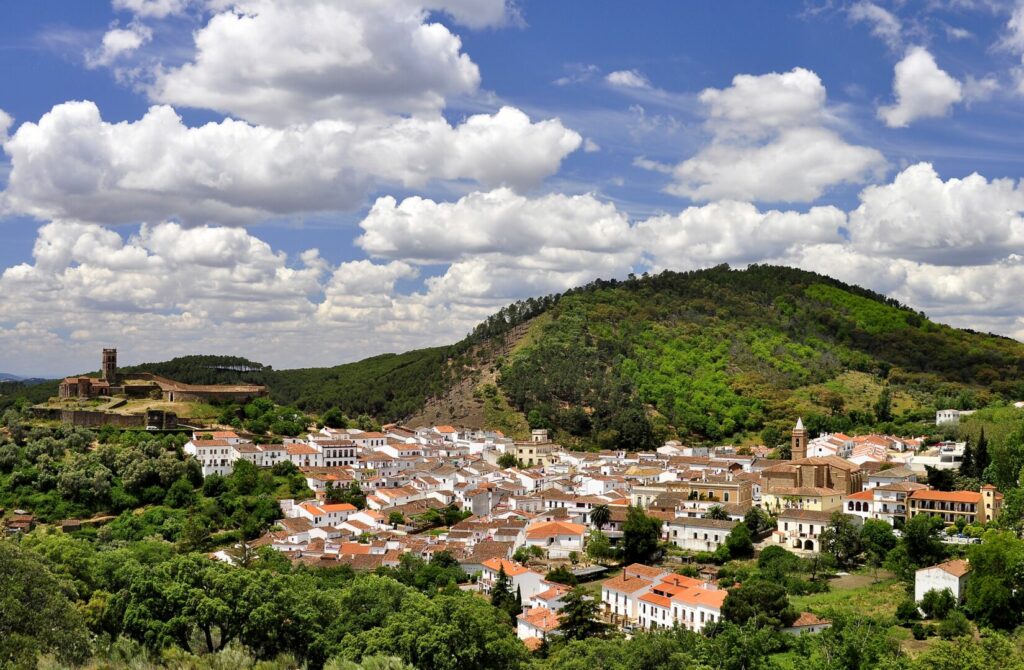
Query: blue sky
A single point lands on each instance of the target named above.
(444, 157)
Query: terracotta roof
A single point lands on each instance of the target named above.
(541, 618)
(860, 495)
(698, 595)
(550, 528)
(947, 496)
(641, 570)
(655, 599)
(957, 567)
(809, 619)
(511, 569)
(624, 584)
(805, 515)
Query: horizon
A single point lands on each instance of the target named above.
(394, 172)
(132, 363)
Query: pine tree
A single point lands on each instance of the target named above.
(967, 465)
(579, 616)
(883, 406)
(981, 457)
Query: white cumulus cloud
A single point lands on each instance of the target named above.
(73, 165)
(627, 79)
(771, 142)
(922, 90)
(278, 62)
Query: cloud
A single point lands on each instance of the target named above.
(497, 222)
(73, 165)
(118, 42)
(770, 143)
(955, 222)
(949, 247)
(152, 9)
(734, 232)
(6, 123)
(922, 90)
(627, 79)
(980, 90)
(884, 24)
(279, 62)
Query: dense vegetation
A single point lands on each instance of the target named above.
(719, 353)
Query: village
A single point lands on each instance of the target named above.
(515, 510)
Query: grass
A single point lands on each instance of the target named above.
(857, 593)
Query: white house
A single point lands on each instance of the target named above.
(800, 529)
(214, 456)
(950, 575)
(698, 534)
(807, 622)
(557, 538)
(521, 579)
(536, 623)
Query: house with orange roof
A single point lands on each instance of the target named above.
(807, 622)
(972, 506)
(536, 623)
(676, 600)
(951, 575)
(551, 598)
(522, 580)
(557, 538)
(620, 595)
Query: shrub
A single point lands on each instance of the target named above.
(918, 631)
(907, 612)
(954, 625)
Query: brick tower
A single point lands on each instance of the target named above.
(110, 366)
(799, 441)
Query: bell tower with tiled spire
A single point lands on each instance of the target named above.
(799, 449)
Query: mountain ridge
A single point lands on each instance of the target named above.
(707, 355)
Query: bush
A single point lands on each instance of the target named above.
(937, 604)
(907, 612)
(954, 625)
(919, 631)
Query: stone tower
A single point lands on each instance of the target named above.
(110, 366)
(799, 441)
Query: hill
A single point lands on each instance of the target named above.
(710, 355)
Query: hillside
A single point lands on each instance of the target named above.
(712, 355)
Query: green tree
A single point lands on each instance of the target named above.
(508, 460)
(579, 616)
(883, 405)
(937, 604)
(36, 615)
(981, 455)
(599, 548)
(739, 543)
(562, 575)
(351, 494)
(600, 515)
(995, 590)
(502, 596)
(764, 603)
(877, 540)
(717, 512)
(955, 625)
(641, 535)
(396, 519)
(841, 540)
(758, 521)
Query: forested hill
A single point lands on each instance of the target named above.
(714, 355)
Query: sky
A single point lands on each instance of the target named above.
(310, 182)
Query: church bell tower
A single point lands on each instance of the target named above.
(799, 449)
(110, 366)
